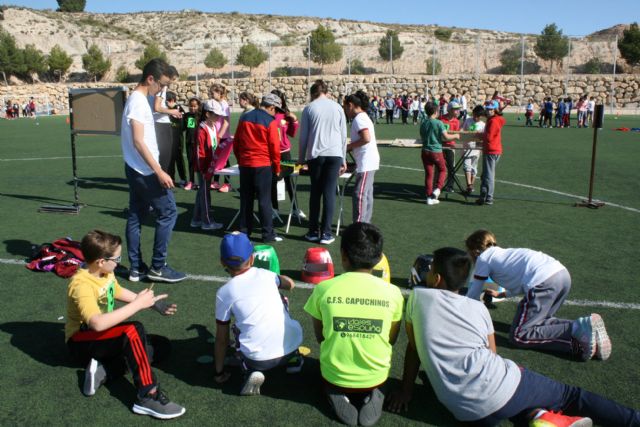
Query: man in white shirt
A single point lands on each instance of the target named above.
(149, 185)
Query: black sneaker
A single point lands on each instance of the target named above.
(158, 405)
(371, 409)
(166, 274)
(312, 236)
(327, 239)
(140, 273)
(94, 377)
(251, 386)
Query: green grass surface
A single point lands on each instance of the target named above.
(599, 247)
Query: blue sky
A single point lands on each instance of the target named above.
(573, 17)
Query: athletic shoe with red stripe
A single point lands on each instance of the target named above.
(557, 419)
(158, 406)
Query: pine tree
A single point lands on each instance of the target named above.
(324, 49)
(59, 61)
(251, 56)
(390, 46)
(551, 45)
(94, 63)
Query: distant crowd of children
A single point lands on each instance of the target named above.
(12, 110)
(558, 114)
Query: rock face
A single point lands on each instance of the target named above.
(188, 36)
(623, 91)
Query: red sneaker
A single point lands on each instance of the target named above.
(224, 188)
(557, 419)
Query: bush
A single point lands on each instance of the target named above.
(357, 67)
(285, 71)
(593, 66)
(443, 34)
(429, 66)
(71, 5)
(510, 59)
(150, 52)
(122, 75)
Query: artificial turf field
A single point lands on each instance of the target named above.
(540, 176)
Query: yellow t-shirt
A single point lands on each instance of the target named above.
(87, 296)
(356, 310)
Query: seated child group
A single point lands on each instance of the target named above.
(356, 318)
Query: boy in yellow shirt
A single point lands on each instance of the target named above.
(99, 335)
(356, 319)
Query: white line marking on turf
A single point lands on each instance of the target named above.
(58, 158)
(533, 187)
(303, 285)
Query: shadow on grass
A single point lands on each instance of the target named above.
(23, 248)
(504, 341)
(102, 183)
(42, 341)
(50, 200)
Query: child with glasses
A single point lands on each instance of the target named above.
(99, 335)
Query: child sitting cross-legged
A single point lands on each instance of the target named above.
(452, 336)
(99, 335)
(267, 335)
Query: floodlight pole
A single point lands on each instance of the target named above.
(195, 60)
(521, 68)
(391, 53)
(270, 87)
(308, 61)
(613, 83)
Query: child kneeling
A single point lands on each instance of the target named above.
(453, 337)
(356, 318)
(266, 334)
(99, 335)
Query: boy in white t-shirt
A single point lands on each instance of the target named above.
(266, 334)
(365, 151)
(453, 337)
(545, 283)
(470, 165)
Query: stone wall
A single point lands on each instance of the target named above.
(625, 86)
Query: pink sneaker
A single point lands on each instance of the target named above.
(224, 188)
(215, 186)
(188, 186)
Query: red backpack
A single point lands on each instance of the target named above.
(63, 257)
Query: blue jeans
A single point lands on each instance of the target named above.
(489, 162)
(324, 172)
(145, 192)
(536, 391)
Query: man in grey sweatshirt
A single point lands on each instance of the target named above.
(323, 145)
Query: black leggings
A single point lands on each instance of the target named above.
(324, 172)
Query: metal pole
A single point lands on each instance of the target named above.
(477, 68)
(308, 61)
(195, 60)
(567, 70)
(233, 63)
(349, 57)
(391, 53)
(613, 83)
(521, 69)
(270, 87)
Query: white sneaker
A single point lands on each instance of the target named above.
(436, 193)
(212, 226)
(300, 214)
(431, 201)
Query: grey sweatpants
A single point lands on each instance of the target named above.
(534, 325)
(363, 196)
(489, 162)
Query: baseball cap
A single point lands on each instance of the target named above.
(272, 99)
(492, 105)
(453, 105)
(214, 107)
(235, 249)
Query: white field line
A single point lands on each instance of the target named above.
(532, 187)
(303, 285)
(28, 159)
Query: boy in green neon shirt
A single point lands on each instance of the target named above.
(356, 319)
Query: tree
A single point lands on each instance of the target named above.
(150, 52)
(510, 59)
(593, 66)
(251, 56)
(357, 67)
(11, 57)
(215, 59)
(34, 60)
(629, 45)
(551, 45)
(59, 62)
(390, 48)
(122, 75)
(94, 63)
(71, 5)
(324, 49)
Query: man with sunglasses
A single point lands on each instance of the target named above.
(149, 185)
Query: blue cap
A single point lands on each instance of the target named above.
(235, 249)
(492, 105)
